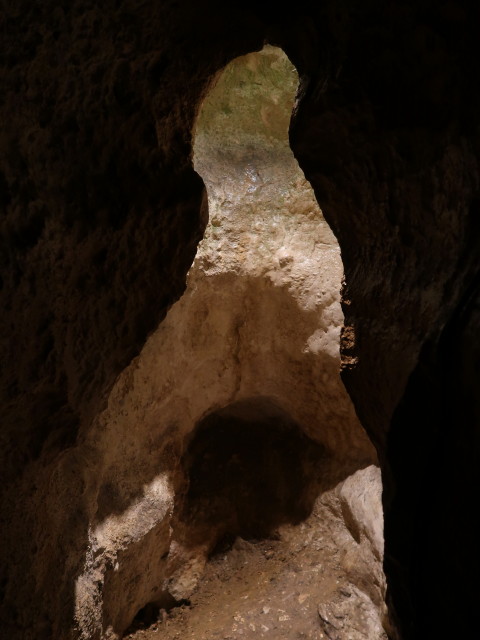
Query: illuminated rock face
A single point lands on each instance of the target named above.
(254, 337)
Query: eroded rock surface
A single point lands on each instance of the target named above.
(250, 351)
(312, 580)
(99, 223)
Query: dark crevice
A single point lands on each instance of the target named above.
(155, 612)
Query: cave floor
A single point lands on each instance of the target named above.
(310, 581)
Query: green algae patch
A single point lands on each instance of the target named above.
(249, 104)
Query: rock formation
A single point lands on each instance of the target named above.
(101, 216)
(240, 381)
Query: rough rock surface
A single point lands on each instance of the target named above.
(99, 222)
(313, 580)
(251, 348)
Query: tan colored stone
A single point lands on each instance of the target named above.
(259, 323)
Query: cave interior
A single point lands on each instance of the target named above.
(102, 213)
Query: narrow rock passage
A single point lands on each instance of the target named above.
(233, 426)
(278, 531)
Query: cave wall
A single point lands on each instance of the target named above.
(101, 216)
(100, 219)
(400, 191)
